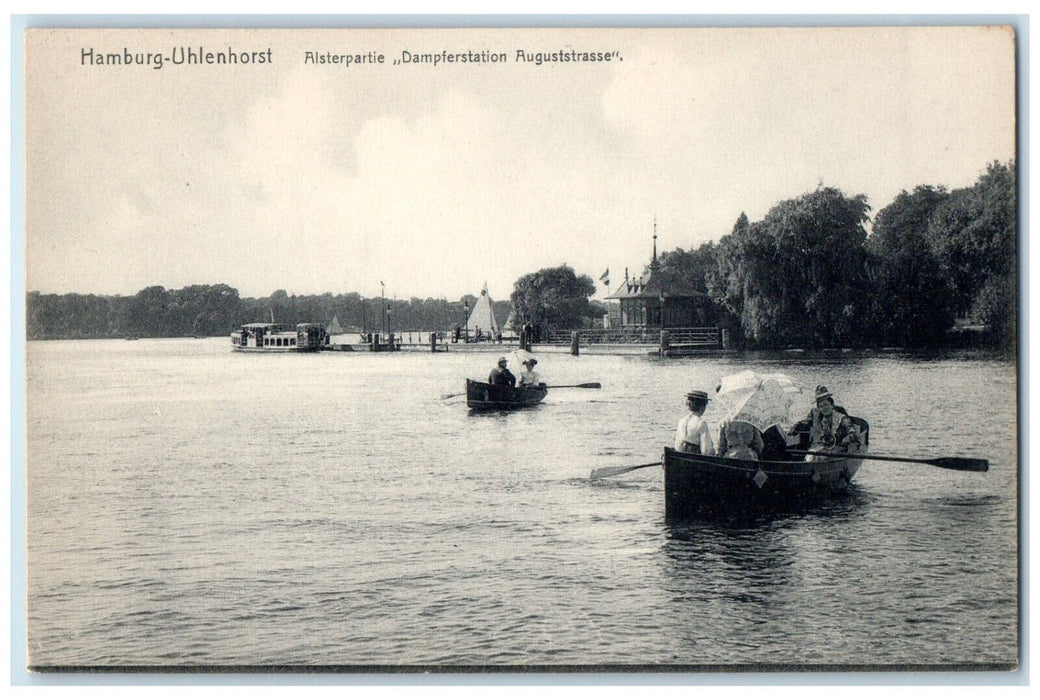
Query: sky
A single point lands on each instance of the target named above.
(430, 180)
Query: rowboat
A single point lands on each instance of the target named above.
(484, 396)
(701, 485)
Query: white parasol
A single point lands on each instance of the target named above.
(520, 356)
(762, 400)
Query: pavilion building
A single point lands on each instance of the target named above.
(656, 301)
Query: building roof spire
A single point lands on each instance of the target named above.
(653, 260)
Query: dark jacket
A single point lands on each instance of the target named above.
(501, 376)
(842, 429)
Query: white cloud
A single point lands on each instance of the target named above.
(435, 180)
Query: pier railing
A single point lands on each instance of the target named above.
(670, 341)
(706, 337)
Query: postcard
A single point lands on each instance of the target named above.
(522, 349)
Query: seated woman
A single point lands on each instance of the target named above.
(740, 440)
(529, 377)
(829, 427)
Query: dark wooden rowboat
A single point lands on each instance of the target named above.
(488, 397)
(697, 485)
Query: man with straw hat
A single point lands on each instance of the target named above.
(692, 434)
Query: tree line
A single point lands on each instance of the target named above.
(212, 310)
(809, 274)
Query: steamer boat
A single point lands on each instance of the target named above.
(276, 337)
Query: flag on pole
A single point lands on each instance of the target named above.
(605, 277)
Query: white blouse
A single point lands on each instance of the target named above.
(693, 429)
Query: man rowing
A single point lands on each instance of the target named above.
(829, 426)
(500, 375)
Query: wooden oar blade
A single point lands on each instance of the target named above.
(604, 472)
(964, 464)
(586, 385)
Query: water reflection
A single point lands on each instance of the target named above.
(738, 583)
(830, 505)
(751, 548)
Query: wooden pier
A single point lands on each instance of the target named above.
(677, 342)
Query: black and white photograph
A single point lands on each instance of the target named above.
(522, 349)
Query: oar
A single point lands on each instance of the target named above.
(586, 385)
(964, 464)
(614, 471)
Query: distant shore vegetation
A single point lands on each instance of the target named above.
(936, 264)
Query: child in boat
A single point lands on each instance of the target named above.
(692, 434)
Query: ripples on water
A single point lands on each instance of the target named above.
(187, 505)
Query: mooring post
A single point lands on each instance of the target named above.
(664, 344)
(433, 342)
(574, 342)
(724, 338)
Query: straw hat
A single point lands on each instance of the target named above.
(698, 395)
(822, 393)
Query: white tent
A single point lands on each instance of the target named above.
(483, 315)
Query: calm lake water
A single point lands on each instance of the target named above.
(192, 506)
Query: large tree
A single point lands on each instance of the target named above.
(686, 269)
(799, 275)
(553, 298)
(912, 306)
(975, 238)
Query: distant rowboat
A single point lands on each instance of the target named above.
(484, 396)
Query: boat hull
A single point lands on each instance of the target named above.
(273, 350)
(482, 396)
(697, 485)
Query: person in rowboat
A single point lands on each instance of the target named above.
(829, 426)
(500, 375)
(529, 377)
(740, 440)
(692, 434)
